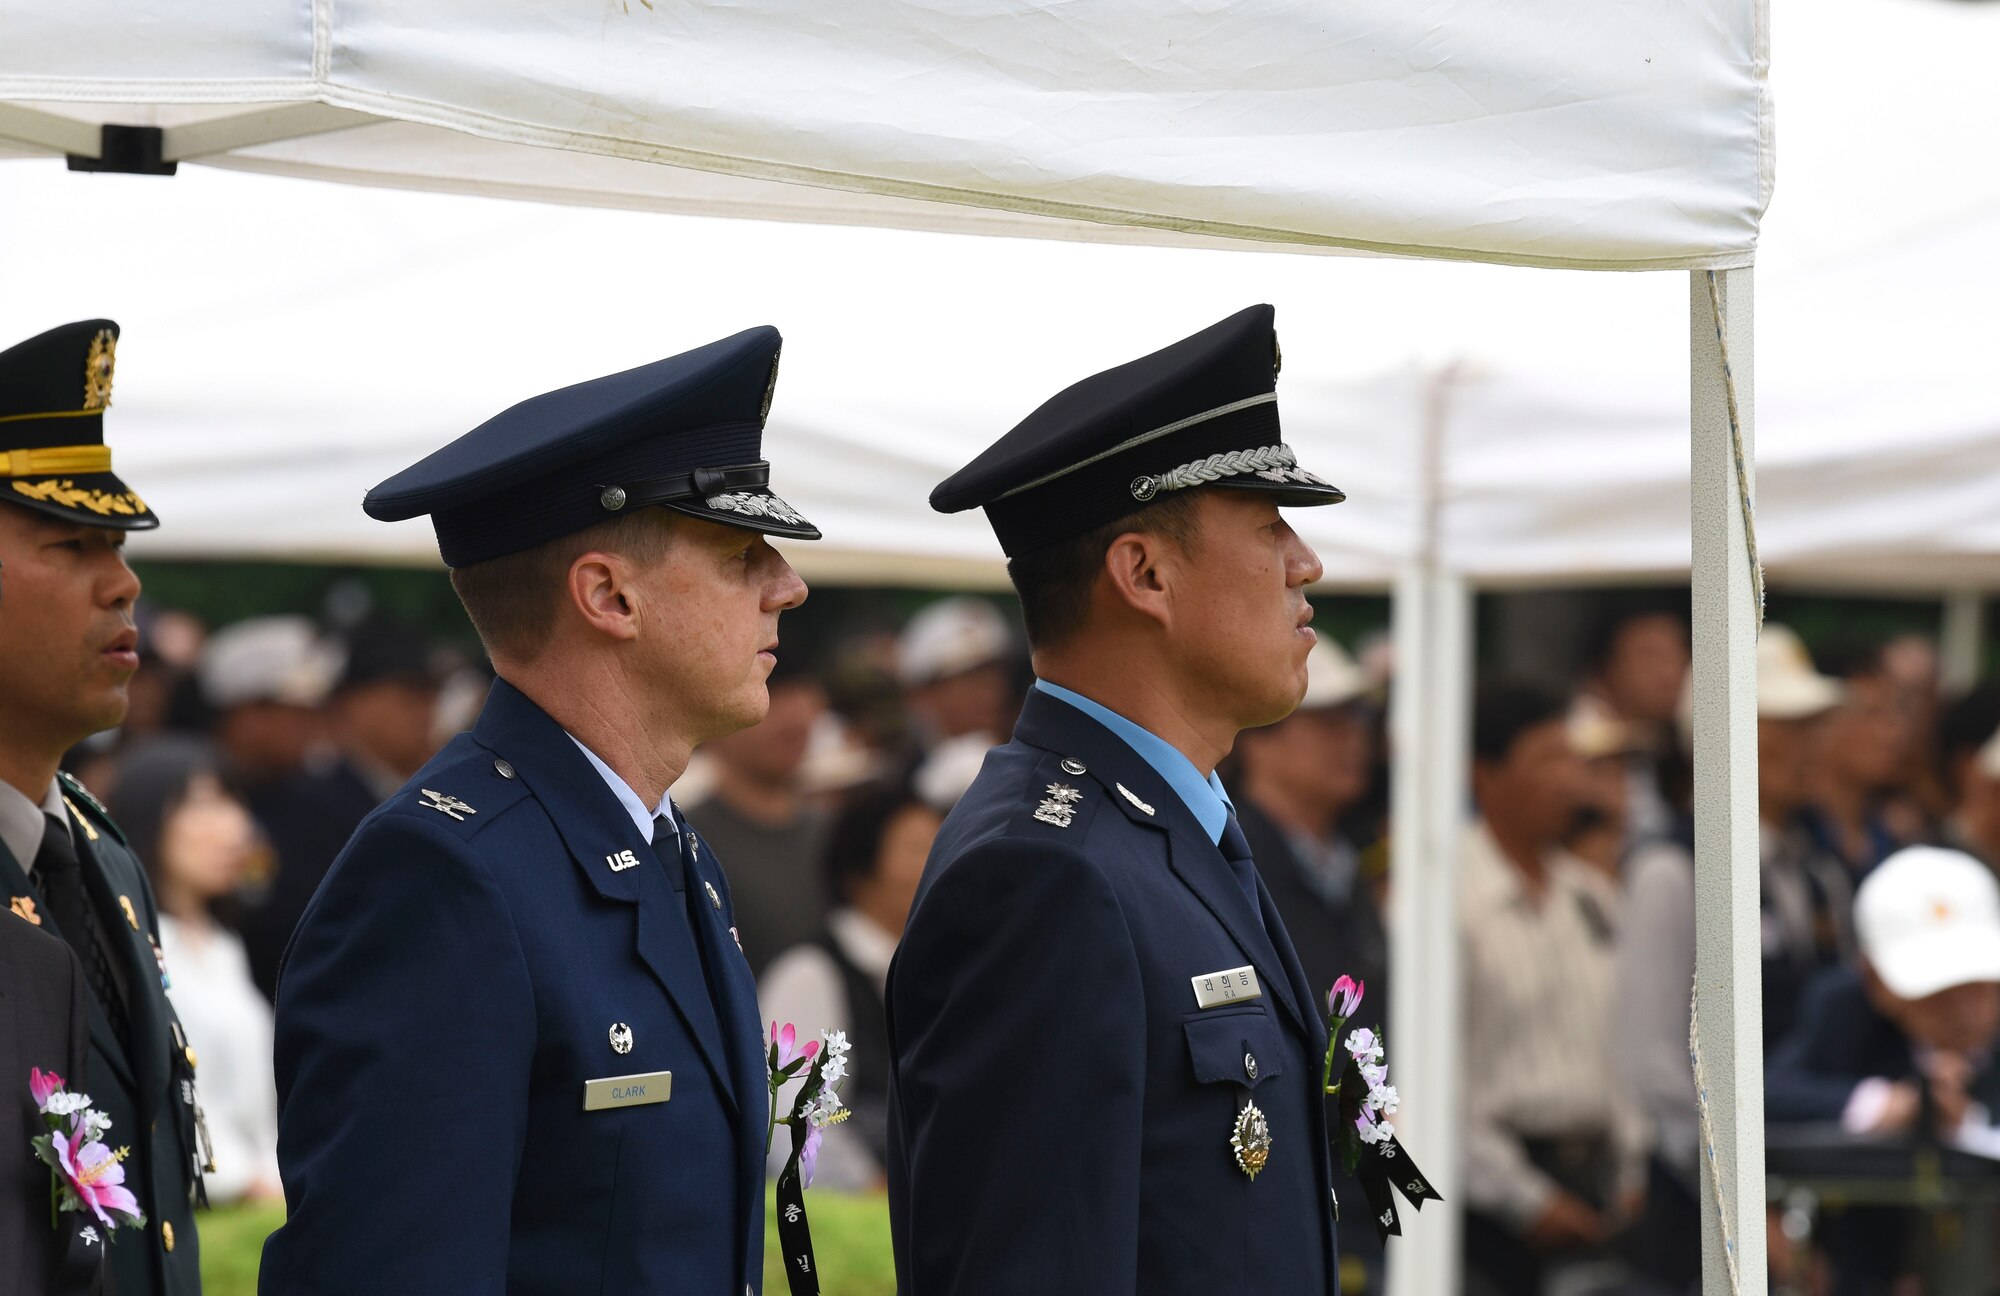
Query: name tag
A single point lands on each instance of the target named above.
(628, 1091)
(1214, 989)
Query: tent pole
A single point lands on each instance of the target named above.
(1961, 640)
(1430, 734)
(1728, 983)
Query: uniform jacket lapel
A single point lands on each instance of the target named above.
(14, 877)
(148, 1057)
(1057, 727)
(597, 831)
(743, 1029)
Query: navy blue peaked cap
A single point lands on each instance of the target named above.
(54, 389)
(682, 433)
(1202, 412)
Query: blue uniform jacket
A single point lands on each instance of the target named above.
(451, 988)
(1061, 1108)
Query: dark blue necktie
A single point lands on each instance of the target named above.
(1236, 851)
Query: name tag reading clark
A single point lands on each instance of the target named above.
(1213, 989)
(628, 1091)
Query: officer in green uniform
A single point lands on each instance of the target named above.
(69, 649)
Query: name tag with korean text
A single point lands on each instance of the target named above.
(1237, 985)
(628, 1091)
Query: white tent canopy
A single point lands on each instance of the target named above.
(1613, 135)
(288, 345)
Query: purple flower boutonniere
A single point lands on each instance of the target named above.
(815, 1107)
(1364, 1142)
(84, 1174)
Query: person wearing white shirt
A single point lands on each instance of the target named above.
(874, 858)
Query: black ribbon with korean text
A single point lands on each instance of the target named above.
(794, 1236)
(1383, 1168)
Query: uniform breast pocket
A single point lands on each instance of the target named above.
(1240, 1048)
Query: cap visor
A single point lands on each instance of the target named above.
(1291, 494)
(1918, 968)
(89, 499)
(753, 509)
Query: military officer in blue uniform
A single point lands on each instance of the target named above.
(69, 648)
(518, 1046)
(1107, 1058)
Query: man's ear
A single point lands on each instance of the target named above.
(1140, 572)
(599, 590)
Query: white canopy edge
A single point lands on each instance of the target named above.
(1630, 138)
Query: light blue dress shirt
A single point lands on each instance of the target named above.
(642, 818)
(1210, 805)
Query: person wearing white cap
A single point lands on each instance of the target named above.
(267, 679)
(1905, 1040)
(1297, 785)
(952, 661)
(1806, 899)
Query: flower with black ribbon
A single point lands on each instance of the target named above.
(815, 1107)
(1364, 1141)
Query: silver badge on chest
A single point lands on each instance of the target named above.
(621, 1038)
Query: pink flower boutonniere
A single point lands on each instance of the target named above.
(84, 1174)
(816, 1106)
(1364, 1142)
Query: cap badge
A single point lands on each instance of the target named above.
(770, 387)
(1251, 1140)
(1059, 806)
(1941, 911)
(447, 805)
(97, 369)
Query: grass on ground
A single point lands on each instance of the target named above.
(850, 1241)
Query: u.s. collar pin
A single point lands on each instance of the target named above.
(713, 898)
(621, 1038)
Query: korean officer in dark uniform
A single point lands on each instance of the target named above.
(1107, 1058)
(44, 1025)
(69, 648)
(518, 1046)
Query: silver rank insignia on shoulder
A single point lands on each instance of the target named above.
(1059, 806)
(449, 805)
(1133, 797)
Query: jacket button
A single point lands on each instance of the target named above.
(1071, 765)
(1250, 1065)
(167, 1234)
(503, 769)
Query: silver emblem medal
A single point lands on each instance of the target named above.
(1251, 1140)
(621, 1038)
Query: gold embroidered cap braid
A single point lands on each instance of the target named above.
(55, 459)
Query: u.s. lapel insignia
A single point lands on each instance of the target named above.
(1059, 806)
(24, 907)
(1133, 797)
(449, 805)
(1251, 1140)
(131, 915)
(621, 1038)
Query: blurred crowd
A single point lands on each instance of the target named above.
(253, 750)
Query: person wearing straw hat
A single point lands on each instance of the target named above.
(70, 647)
(1806, 903)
